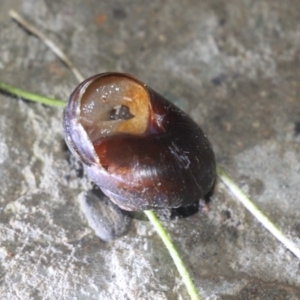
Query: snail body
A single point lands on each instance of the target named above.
(140, 149)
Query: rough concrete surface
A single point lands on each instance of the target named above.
(234, 66)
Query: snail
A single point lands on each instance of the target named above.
(139, 148)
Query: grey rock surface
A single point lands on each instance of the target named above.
(234, 67)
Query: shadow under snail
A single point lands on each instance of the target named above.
(140, 149)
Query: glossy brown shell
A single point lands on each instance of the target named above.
(168, 163)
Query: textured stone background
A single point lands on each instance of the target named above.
(234, 66)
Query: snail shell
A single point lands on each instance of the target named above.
(140, 149)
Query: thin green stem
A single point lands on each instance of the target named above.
(30, 96)
(174, 254)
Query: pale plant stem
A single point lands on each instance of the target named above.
(32, 29)
(257, 213)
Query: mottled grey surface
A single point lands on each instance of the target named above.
(234, 66)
